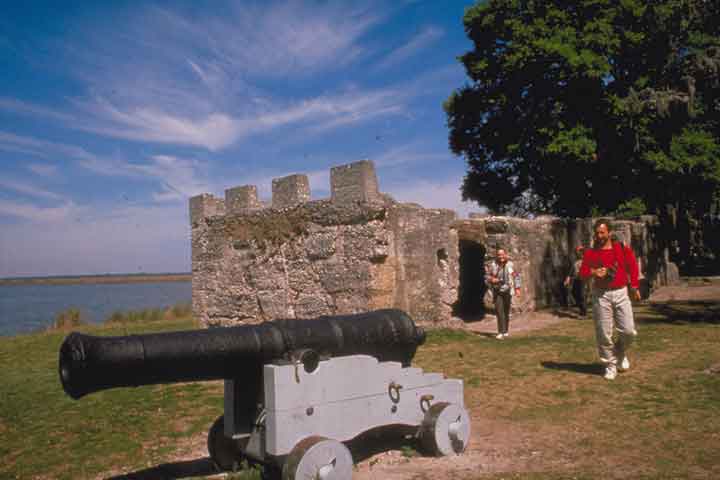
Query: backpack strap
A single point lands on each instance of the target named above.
(623, 258)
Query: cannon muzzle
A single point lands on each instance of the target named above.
(89, 363)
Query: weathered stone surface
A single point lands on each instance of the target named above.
(355, 182)
(496, 226)
(542, 251)
(362, 250)
(241, 198)
(290, 191)
(274, 303)
(312, 305)
(321, 245)
(204, 206)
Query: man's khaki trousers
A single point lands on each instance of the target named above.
(613, 309)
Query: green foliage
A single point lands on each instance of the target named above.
(246, 471)
(179, 310)
(631, 208)
(694, 152)
(589, 105)
(136, 316)
(175, 312)
(408, 451)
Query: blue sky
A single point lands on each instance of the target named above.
(113, 114)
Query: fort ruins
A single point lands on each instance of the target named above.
(361, 250)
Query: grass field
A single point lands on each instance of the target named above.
(660, 420)
(544, 390)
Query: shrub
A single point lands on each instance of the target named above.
(67, 319)
(177, 311)
(180, 310)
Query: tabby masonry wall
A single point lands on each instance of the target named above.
(361, 250)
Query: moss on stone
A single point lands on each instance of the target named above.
(262, 231)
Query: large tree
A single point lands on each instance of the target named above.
(580, 107)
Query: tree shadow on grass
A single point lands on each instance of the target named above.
(566, 312)
(171, 471)
(685, 311)
(584, 368)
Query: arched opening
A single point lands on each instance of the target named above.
(470, 304)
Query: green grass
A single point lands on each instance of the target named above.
(175, 312)
(46, 434)
(660, 420)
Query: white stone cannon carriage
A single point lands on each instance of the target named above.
(310, 409)
(298, 393)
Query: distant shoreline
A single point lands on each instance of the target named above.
(89, 279)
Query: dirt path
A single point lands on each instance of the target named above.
(500, 446)
(496, 445)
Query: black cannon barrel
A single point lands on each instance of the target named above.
(89, 363)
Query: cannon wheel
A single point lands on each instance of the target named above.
(318, 458)
(445, 429)
(225, 452)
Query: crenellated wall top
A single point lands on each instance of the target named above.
(349, 184)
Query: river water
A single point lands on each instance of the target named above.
(28, 308)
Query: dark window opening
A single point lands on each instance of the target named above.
(442, 256)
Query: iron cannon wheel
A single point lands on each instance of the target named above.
(226, 453)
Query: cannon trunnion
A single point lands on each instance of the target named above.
(299, 394)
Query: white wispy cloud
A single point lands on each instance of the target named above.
(178, 178)
(41, 148)
(141, 239)
(187, 77)
(192, 79)
(38, 214)
(43, 169)
(28, 189)
(345, 108)
(441, 194)
(18, 106)
(184, 79)
(213, 131)
(216, 131)
(272, 39)
(414, 46)
(408, 154)
(219, 131)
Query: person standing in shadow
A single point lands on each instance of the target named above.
(575, 283)
(504, 283)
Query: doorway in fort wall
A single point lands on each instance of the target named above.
(470, 304)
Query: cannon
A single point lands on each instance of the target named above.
(299, 395)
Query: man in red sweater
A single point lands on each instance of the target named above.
(612, 266)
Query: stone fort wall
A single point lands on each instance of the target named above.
(356, 251)
(542, 250)
(361, 250)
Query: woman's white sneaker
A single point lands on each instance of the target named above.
(610, 372)
(623, 364)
